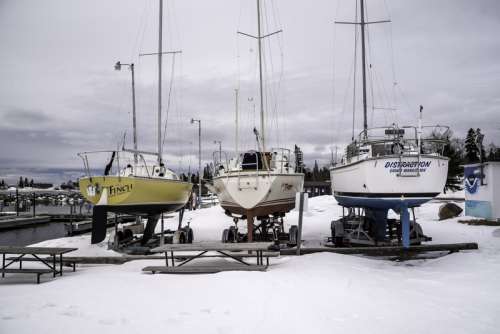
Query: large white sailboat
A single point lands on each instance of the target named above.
(138, 186)
(393, 167)
(258, 184)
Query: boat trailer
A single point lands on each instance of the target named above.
(372, 227)
(268, 229)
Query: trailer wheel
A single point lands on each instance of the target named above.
(128, 234)
(225, 236)
(232, 234)
(293, 235)
(337, 228)
(190, 235)
(179, 237)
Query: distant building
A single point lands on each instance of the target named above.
(318, 188)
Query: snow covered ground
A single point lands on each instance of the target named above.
(318, 293)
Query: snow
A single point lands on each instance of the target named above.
(318, 293)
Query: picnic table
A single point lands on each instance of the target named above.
(225, 249)
(54, 254)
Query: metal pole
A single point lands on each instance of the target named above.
(160, 28)
(363, 56)
(405, 224)
(115, 240)
(301, 212)
(34, 205)
(259, 38)
(220, 150)
(17, 202)
(133, 113)
(162, 236)
(199, 164)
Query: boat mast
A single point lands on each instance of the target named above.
(160, 46)
(259, 38)
(236, 92)
(363, 56)
(363, 24)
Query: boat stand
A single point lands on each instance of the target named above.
(268, 229)
(371, 227)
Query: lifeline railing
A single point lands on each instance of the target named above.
(86, 164)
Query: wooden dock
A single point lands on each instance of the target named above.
(15, 222)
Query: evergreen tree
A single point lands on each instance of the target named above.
(471, 151)
(492, 150)
(481, 151)
(315, 171)
(455, 170)
(31, 183)
(21, 182)
(207, 172)
(26, 183)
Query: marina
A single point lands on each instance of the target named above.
(252, 166)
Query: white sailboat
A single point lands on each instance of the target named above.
(390, 167)
(258, 184)
(138, 187)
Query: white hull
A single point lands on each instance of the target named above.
(258, 192)
(380, 179)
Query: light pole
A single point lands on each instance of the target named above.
(118, 67)
(220, 149)
(199, 159)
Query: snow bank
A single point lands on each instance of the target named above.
(318, 293)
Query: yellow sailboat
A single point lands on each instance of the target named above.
(139, 187)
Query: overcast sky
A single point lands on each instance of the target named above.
(59, 92)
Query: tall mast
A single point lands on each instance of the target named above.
(363, 56)
(134, 122)
(160, 47)
(236, 140)
(262, 125)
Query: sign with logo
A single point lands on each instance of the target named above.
(472, 179)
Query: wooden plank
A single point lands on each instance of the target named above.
(195, 269)
(214, 246)
(26, 271)
(386, 250)
(35, 250)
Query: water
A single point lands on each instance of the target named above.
(33, 234)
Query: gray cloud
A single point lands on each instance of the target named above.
(59, 93)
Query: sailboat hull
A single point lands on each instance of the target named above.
(258, 193)
(383, 182)
(135, 194)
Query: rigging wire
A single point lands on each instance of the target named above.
(171, 83)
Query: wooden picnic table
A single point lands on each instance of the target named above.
(222, 248)
(21, 252)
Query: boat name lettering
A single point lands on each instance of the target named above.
(118, 190)
(407, 164)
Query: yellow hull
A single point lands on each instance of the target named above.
(134, 191)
